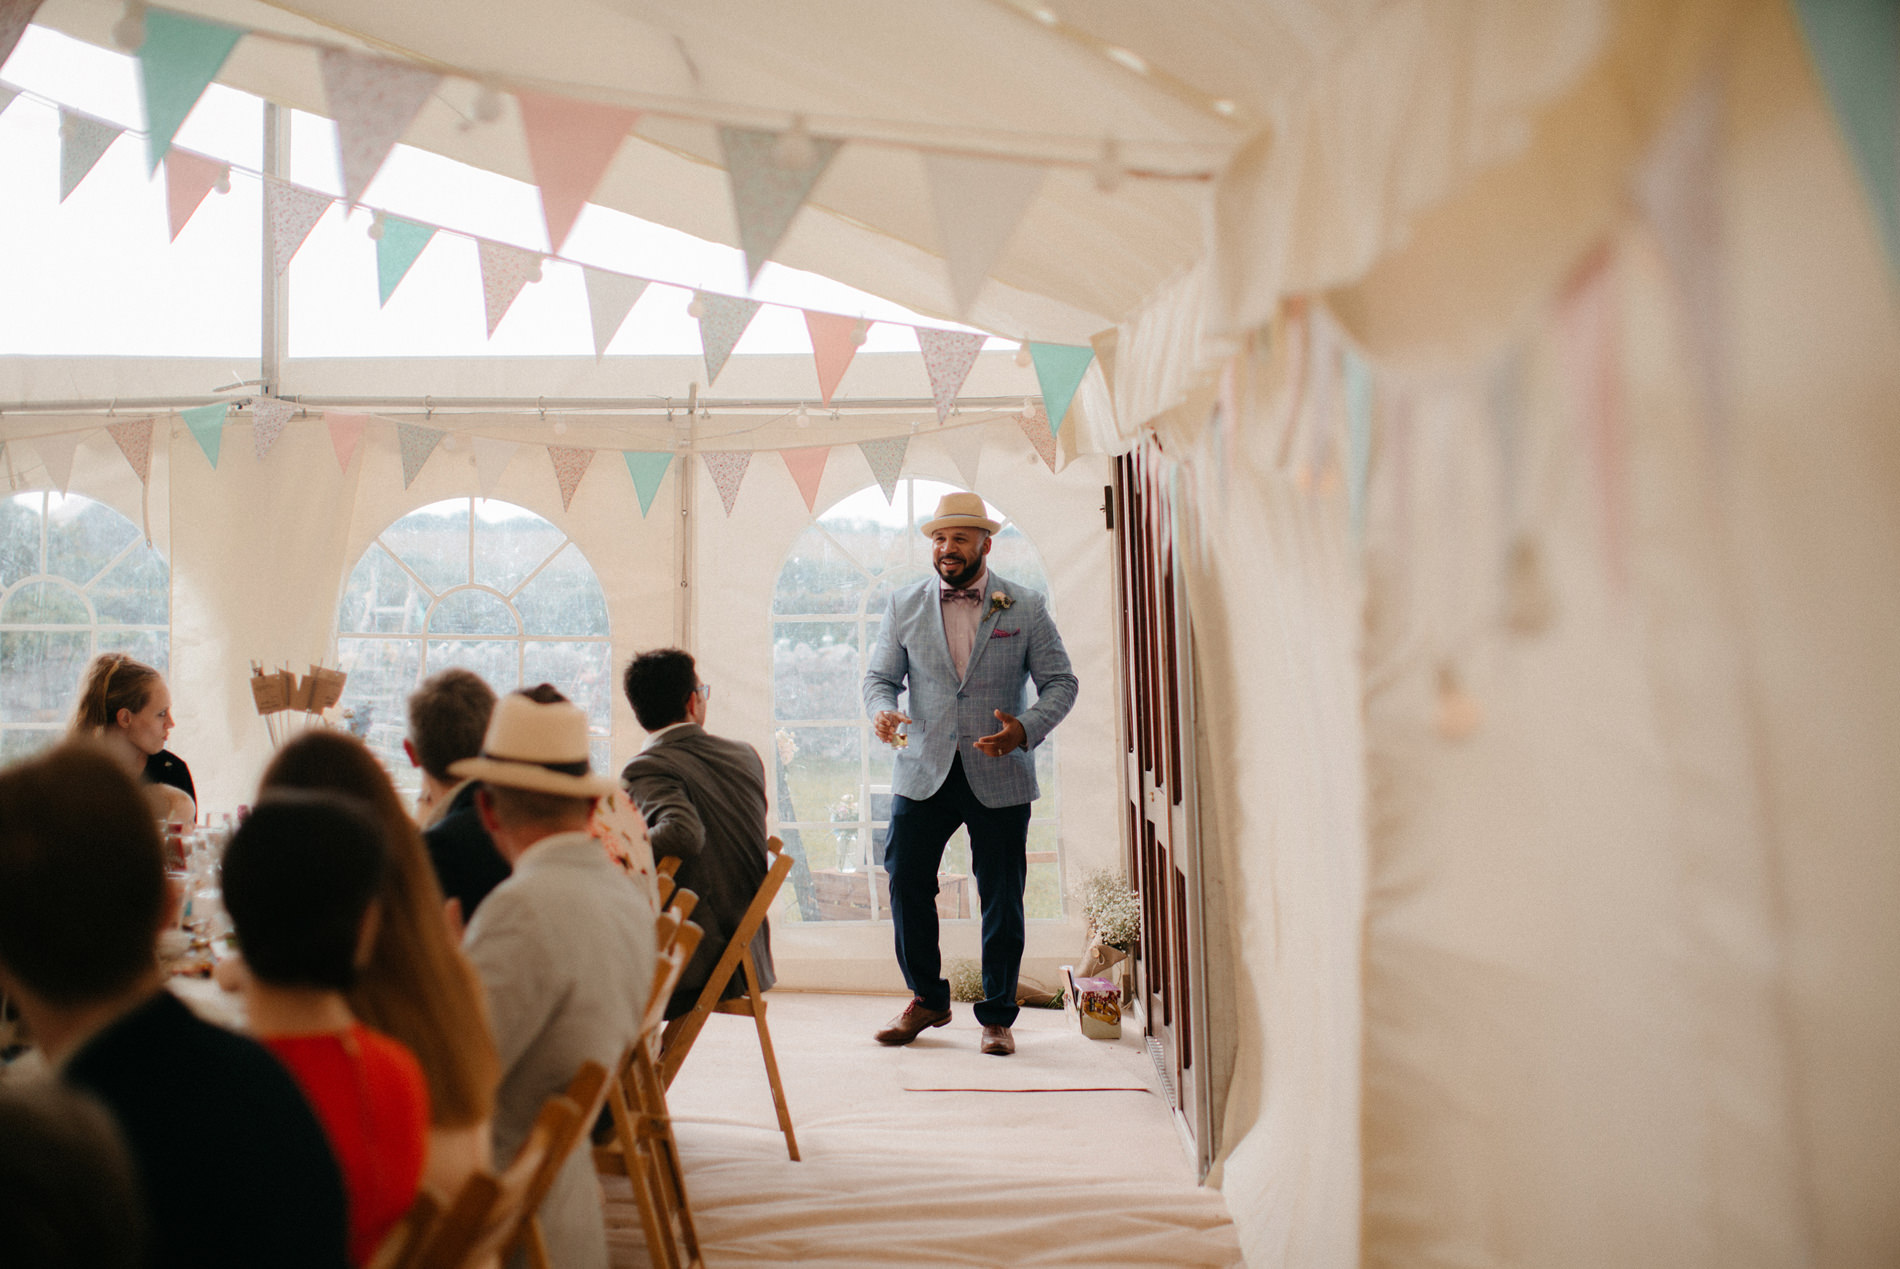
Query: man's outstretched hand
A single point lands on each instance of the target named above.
(1011, 738)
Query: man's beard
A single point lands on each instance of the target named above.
(963, 579)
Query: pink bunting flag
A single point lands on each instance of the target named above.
(505, 270)
(570, 144)
(807, 466)
(268, 416)
(1035, 425)
(722, 320)
(373, 100)
(570, 464)
(834, 342)
(886, 457)
(948, 356)
(417, 443)
(188, 178)
(292, 213)
(728, 468)
(14, 17)
(134, 439)
(345, 431)
(56, 452)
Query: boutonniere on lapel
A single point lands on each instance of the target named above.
(998, 603)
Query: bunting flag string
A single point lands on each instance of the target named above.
(345, 431)
(416, 443)
(1059, 371)
(979, 203)
(178, 59)
(834, 342)
(948, 356)
(373, 100)
(14, 16)
(886, 457)
(965, 445)
(207, 426)
(491, 460)
(610, 297)
(570, 144)
(134, 439)
(82, 142)
(397, 247)
(1035, 425)
(722, 320)
(188, 178)
(727, 468)
(570, 464)
(293, 212)
(268, 416)
(648, 468)
(807, 466)
(505, 271)
(770, 179)
(56, 452)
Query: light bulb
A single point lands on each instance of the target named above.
(560, 427)
(376, 226)
(793, 150)
(449, 442)
(803, 418)
(224, 181)
(1029, 407)
(128, 32)
(860, 333)
(487, 103)
(534, 270)
(1022, 354)
(698, 307)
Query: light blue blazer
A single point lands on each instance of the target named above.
(1015, 646)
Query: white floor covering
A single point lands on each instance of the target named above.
(891, 1176)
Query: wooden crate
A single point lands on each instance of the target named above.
(846, 896)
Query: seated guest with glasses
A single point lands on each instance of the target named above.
(703, 797)
(448, 714)
(564, 947)
(125, 706)
(300, 882)
(233, 1167)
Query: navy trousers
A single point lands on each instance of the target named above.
(913, 850)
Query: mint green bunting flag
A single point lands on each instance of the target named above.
(1059, 370)
(402, 241)
(1856, 47)
(207, 425)
(647, 469)
(1358, 436)
(178, 60)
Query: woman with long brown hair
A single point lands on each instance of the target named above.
(417, 987)
(125, 705)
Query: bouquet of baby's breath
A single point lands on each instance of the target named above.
(1111, 909)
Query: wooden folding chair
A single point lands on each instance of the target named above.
(402, 1245)
(679, 901)
(644, 1149)
(677, 1040)
(588, 1091)
(487, 1209)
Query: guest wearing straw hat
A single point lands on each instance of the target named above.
(965, 643)
(564, 946)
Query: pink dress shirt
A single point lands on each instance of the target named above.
(960, 620)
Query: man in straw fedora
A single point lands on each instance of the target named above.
(564, 946)
(965, 643)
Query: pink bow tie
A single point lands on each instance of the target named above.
(951, 593)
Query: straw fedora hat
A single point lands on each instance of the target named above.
(538, 747)
(960, 511)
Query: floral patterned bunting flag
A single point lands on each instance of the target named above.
(948, 356)
(505, 270)
(292, 212)
(268, 416)
(1035, 425)
(417, 443)
(14, 16)
(886, 457)
(610, 297)
(723, 318)
(134, 439)
(766, 191)
(373, 100)
(570, 464)
(728, 468)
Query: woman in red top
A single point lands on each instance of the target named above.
(300, 880)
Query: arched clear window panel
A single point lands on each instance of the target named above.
(833, 777)
(481, 584)
(76, 578)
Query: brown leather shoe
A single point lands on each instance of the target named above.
(913, 1022)
(998, 1041)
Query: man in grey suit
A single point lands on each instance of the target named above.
(563, 947)
(703, 797)
(965, 643)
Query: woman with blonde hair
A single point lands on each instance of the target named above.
(125, 705)
(417, 987)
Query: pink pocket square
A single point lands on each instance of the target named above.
(1004, 634)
